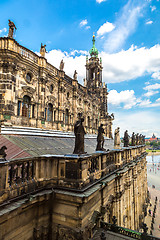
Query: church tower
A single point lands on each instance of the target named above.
(94, 78)
(97, 88)
(93, 70)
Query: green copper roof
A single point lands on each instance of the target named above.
(93, 51)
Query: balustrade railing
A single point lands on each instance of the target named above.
(28, 54)
(73, 172)
(127, 232)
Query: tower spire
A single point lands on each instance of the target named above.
(93, 51)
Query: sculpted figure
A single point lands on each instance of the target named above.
(61, 67)
(100, 139)
(126, 139)
(12, 27)
(43, 50)
(133, 143)
(75, 75)
(2, 152)
(117, 140)
(137, 139)
(140, 139)
(79, 137)
(143, 139)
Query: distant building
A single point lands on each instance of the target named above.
(152, 139)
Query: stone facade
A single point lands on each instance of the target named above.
(65, 198)
(34, 93)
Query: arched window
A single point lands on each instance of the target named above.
(50, 112)
(66, 116)
(26, 106)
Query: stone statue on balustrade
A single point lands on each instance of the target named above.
(143, 139)
(43, 50)
(137, 139)
(100, 139)
(75, 75)
(126, 139)
(79, 137)
(140, 139)
(12, 28)
(3, 153)
(61, 67)
(133, 141)
(117, 140)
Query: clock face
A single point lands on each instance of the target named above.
(28, 77)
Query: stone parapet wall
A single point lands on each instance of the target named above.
(22, 176)
(62, 206)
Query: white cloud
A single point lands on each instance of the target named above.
(127, 98)
(100, 1)
(125, 25)
(156, 75)
(118, 67)
(130, 64)
(75, 60)
(105, 28)
(153, 8)
(3, 30)
(144, 103)
(152, 87)
(83, 23)
(134, 122)
(149, 22)
(150, 93)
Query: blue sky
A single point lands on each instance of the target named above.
(127, 37)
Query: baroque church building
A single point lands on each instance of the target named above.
(36, 94)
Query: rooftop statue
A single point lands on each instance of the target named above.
(75, 75)
(43, 50)
(133, 143)
(100, 139)
(12, 27)
(137, 139)
(79, 137)
(61, 67)
(143, 139)
(117, 140)
(2, 153)
(140, 139)
(126, 139)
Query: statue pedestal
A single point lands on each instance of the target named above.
(117, 147)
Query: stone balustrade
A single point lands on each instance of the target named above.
(23, 176)
(12, 45)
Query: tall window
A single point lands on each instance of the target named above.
(88, 121)
(19, 108)
(67, 117)
(96, 123)
(26, 106)
(33, 109)
(54, 115)
(50, 113)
